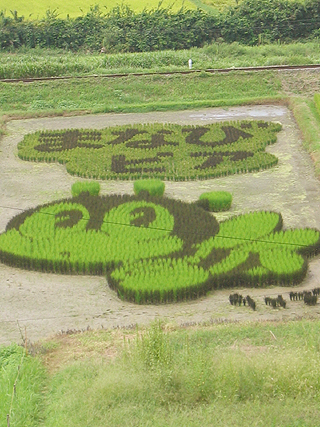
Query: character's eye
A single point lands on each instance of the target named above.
(146, 220)
(65, 219)
(71, 217)
(143, 216)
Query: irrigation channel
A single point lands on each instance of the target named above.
(45, 304)
(207, 70)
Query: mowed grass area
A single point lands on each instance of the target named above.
(215, 375)
(49, 63)
(145, 93)
(37, 10)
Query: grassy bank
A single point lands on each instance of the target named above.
(22, 381)
(308, 120)
(215, 375)
(48, 63)
(130, 94)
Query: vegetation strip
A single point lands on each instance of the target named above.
(167, 73)
(137, 94)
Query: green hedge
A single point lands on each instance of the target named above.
(123, 30)
(170, 152)
(216, 201)
(120, 30)
(154, 249)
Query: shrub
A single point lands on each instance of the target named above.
(154, 187)
(217, 200)
(84, 186)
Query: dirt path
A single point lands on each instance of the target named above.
(44, 304)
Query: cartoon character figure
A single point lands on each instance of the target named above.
(157, 249)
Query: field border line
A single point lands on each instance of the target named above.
(169, 73)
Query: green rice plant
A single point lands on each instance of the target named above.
(154, 249)
(154, 187)
(216, 201)
(171, 152)
(80, 187)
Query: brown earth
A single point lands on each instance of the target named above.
(40, 305)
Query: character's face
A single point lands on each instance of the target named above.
(132, 230)
(157, 249)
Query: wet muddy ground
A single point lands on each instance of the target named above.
(40, 305)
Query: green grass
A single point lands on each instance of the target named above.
(26, 376)
(224, 375)
(37, 10)
(47, 63)
(228, 375)
(308, 119)
(130, 94)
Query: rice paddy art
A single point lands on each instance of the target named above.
(154, 249)
(170, 151)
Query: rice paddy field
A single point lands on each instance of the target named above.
(212, 373)
(37, 10)
(209, 363)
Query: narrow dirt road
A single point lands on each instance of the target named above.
(44, 304)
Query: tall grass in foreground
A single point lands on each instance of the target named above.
(21, 384)
(48, 63)
(227, 375)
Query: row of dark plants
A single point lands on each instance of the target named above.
(238, 299)
(251, 302)
(309, 297)
(295, 296)
(123, 30)
(276, 302)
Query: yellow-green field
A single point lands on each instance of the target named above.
(34, 9)
(220, 4)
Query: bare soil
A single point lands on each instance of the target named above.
(39, 305)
